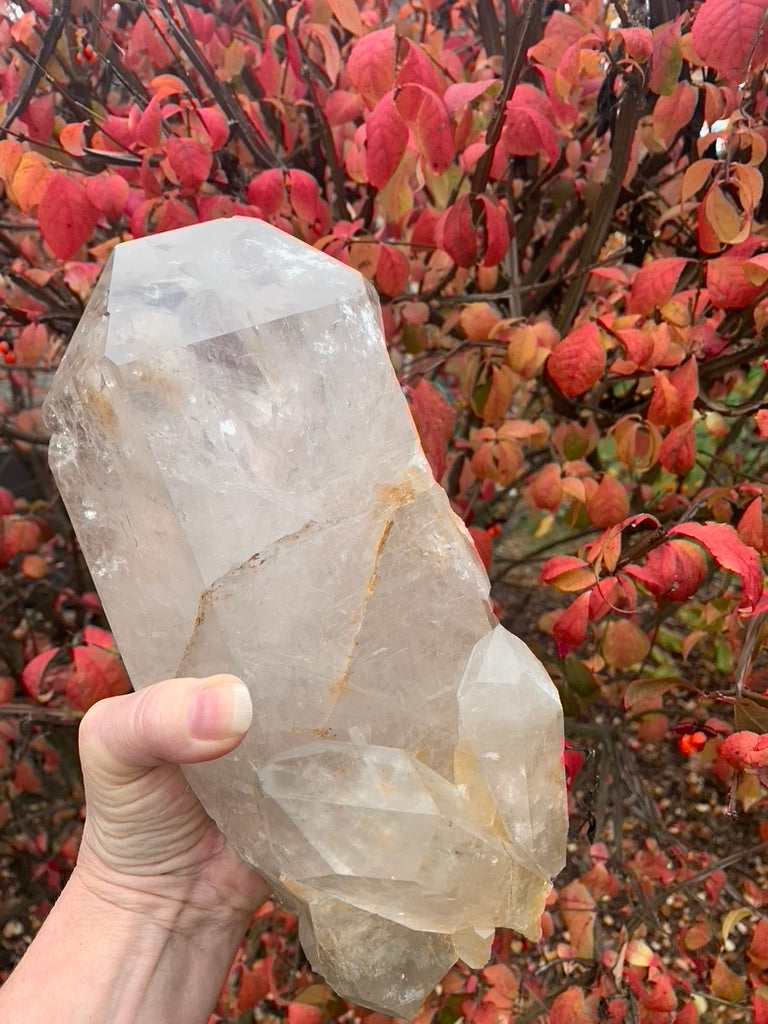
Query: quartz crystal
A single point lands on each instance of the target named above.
(250, 494)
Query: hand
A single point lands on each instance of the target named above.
(148, 844)
(147, 925)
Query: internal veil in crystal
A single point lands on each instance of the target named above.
(246, 483)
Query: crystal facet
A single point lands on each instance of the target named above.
(249, 491)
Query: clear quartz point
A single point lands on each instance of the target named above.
(248, 489)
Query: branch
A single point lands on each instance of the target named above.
(59, 19)
(221, 92)
(600, 224)
(512, 77)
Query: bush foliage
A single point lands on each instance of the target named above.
(562, 207)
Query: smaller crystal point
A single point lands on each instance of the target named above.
(247, 486)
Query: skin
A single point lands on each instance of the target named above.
(148, 924)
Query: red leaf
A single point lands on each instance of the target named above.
(666, 58)
(570, 627)
(425, 112)
(93, 636)
(267, 191)
(661, 998)
(385, 142)
(97, 674)
(456, 233)
(17, 535)
(654, 284)
(190, 161)
(673, 570)
(578, 361)
(435, 419)
(750, 526)
(494, 221)
(66, 215)
(392, 271)
(528, 127)
(723, 544)
(678, 451)
(673, 112)
(371, 65)
(758, 949)
(419, 69)
(216, 126)
(483, 545)
(109, 194)
(304, 195)
(40, 681)
(734, 50)
(727, 283)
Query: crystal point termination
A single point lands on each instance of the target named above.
(248, 489)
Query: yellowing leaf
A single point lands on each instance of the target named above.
(732, 918)
(723, 218)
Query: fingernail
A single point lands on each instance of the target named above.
(220, 710)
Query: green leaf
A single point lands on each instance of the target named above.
(749, 716)
(641, 689)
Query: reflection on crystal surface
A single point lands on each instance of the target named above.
(248, 488)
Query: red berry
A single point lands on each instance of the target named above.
(9, 358)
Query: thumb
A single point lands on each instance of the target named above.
(179, 721)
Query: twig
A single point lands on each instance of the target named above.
(59, 19)
(512, 77)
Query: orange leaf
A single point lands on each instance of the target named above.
(577, 906)
(503, 384)
(29, 182)
(673, 395)
(609, 504)
(624, 644)
(347, 14)
(570, 1007)
(726, 984)
(726, 221)
(750, 526)
(545, 489)
(577, 362)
